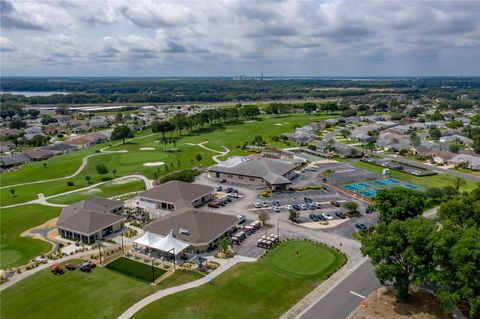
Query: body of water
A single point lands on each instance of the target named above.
(31, 93)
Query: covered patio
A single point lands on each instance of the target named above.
(165, 248)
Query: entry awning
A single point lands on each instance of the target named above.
(167, 243)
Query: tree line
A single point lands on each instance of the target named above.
(444, 255)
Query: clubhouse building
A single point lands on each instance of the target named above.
(91, 220)
(174, 196)
(273, 173)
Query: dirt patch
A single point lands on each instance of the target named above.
(124, 181)
(423, 305)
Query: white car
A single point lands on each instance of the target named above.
(234, 195)
(327, 216)
(264, 204)
(257, 205)
(303, 207)
(289, 207)
(276, 209)
(317, 204)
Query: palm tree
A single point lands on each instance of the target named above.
(459, 182)
(224, 245)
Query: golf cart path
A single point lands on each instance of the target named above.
(103, 151)
(225, 265)
(215, 157)
(42, 200)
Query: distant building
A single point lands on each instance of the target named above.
(12, 161)
(272, 173)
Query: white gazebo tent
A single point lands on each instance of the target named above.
(168, 243)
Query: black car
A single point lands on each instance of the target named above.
(313, 217)
(296, 207)
(340, 215)
(307, 200)
(229, 190)
(321, 217)
(360, 226)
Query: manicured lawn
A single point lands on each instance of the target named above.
(131, 162)
(179, 277)
(467, 171)
(264, 289)
(438, 180)
(105, 190)
(103, 293)
(135, 269)
(16, 250)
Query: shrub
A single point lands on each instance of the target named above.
(70, 183)
(187, 175)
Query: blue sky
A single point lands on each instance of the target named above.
(209, 38)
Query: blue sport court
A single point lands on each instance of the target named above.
(371, 188)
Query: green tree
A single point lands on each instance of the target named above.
(38, 140)
(119, 117)
(434, 133)
(224, 244)
(351, 206)
(458, 183)
(398, 203)
(114, 171)
(198, 157)
(122, 132)
(454, 148)
(293, 215)
(401, 253)
(101, 169)
(263, 218)
(88, 178)
(309, 107)
(12, 191)
(17, 124)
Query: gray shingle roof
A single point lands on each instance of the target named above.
(89, 216)
(202, 226)
(257, 167)
(15, 159)
(181, 194)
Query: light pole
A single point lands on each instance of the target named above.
(153, 270)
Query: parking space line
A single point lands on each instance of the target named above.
(357, 294)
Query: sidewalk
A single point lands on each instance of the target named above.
(225, 265)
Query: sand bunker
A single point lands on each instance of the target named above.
(278, 124)
(154, 164)
(147, 148)
(191, 144)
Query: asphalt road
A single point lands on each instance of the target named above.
(429, 167)
(340, 302)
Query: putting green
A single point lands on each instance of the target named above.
(300, 258)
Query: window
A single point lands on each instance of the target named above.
(252, 179)
(240, 177)
(229, 176)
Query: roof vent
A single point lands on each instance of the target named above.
(183, 231)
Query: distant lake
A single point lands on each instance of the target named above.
(31, 93)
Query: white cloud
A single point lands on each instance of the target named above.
(224, 37)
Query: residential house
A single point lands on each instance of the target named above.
(61, 148)
(80, 142)
(456, 138)
(14, 160)
(34, 130)
(6, 146)
(472, 162)
(98, 123)
(39, 154)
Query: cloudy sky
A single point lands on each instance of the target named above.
(208, 38)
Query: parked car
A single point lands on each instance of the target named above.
(321, 217)
(214, 204)
(360, 226)
(313, 217)
(335, 203)
(311, 206)
(288, 207)
(327, 216)
(70, 266)
(276, 203)
(276, 209)
(223, 181)
(340, 215)
(241, 219)
(264, 204)
(307, 199)
(257, 205)
(229, 190)
(234, 195)
(317, 204)
(296, 207)
(218, 188)
(303, 207)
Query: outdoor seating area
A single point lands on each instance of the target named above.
(268, 242)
